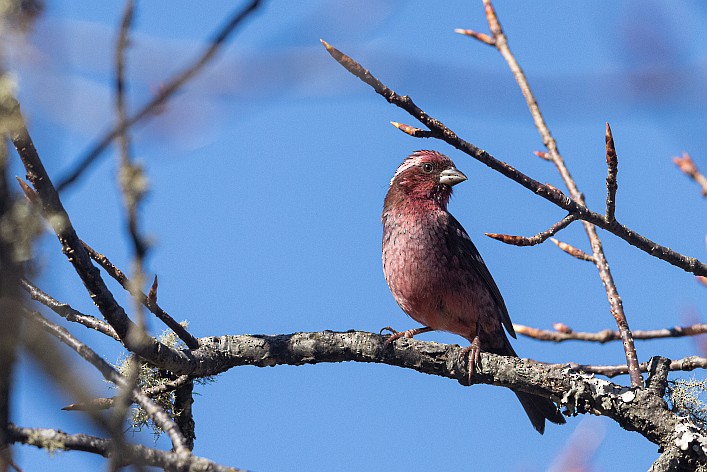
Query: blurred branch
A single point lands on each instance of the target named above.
(688, 167)
(52, 439)
(166, 91)
(133, 187)
(549, 193)
(617, 311)
(106, 403)
(109, 373)
(567, 334)
(66, 311)
(54, 212)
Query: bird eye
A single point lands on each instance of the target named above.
(427, 168)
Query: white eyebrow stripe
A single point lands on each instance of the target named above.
(411, 161)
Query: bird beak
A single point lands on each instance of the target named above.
(451, 177)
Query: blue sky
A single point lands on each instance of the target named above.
(268, 174)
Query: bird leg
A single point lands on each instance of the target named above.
(473, 352)
(407, 334)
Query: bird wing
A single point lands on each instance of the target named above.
(457, 237)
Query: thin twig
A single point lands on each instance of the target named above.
(149, 302)
(607, 335)
(66, 311)
(412, 131)
(158, 415)
(688, 167)
(170, 88)
(617, 311)
(612, 163)
(685, 364)
(538, 238)
(573, 251)
(50, 439)
(688, 264)
(106, 403)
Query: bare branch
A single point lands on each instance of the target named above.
(617, 310)
(608, 335)
(688, 167)
(538, 238)
(148, 302)
(612, 164)
(685, 364)
(66, 311)
(170, 88)
(412, 131)
(483, 37)
(106, 403)
(109, 373)
(688, 264)
(54, 212)
(639, 409)
(573, 251)
(50, 439)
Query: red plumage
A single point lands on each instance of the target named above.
(435, 272)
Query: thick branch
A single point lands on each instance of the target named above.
(638, 410)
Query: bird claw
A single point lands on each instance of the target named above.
(410, 333)
(473, 351)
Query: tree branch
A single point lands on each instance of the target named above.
(170, 88)
(54, 212)
(688, 167)
(640, 410)
(149, 302)
(567, 334)
(538, 238)
(688, 264)
(109, 373)
(612, 163)
(51, 440)
(602, 265)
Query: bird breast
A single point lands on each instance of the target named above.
(419, 270)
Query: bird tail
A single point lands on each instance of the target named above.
(536, 407)
(539, 409)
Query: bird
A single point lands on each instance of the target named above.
(437, 275)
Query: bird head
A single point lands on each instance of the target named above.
(425, 175)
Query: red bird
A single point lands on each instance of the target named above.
(437, 275)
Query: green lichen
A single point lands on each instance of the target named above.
(688, 397)
(150, 376)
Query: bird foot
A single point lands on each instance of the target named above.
(472, 352)
(410, 333)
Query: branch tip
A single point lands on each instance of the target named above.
(412, 131)
(484, 38)
(573, 251)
